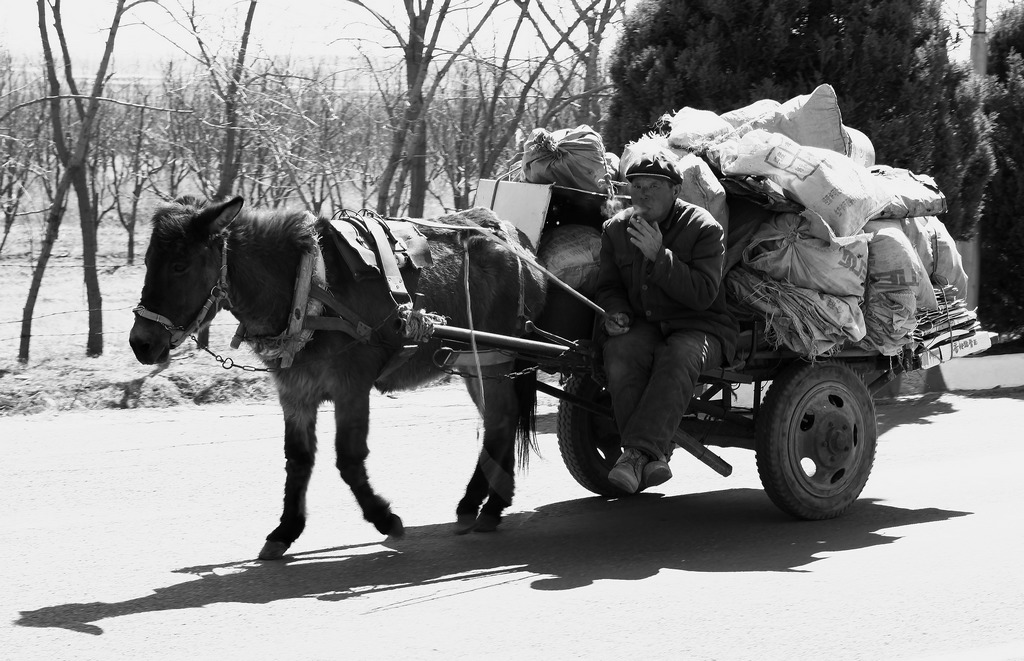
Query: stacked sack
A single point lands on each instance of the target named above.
(800, 151)
(827, 247)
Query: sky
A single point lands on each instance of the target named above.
(301, 29)
(304, 29)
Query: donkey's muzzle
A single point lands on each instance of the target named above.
(150, 341)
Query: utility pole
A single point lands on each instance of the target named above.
(970, 251)
(979, 39)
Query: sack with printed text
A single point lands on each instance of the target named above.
(842, 192)
(801, 250)
(934, 246)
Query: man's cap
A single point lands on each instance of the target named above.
(655, 164)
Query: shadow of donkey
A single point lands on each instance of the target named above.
(561, 546)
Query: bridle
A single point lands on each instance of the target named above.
(218, 293)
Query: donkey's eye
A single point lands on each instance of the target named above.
(179, 267)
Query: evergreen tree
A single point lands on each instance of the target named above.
(1001, 300)
(886, 59)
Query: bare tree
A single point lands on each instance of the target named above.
(501, 92)
(73, 151)
(426, 65)
(129, 165)
(228, 86)
(23, 138)
(596, 17)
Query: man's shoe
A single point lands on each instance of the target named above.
(654, 473)
(628, 471)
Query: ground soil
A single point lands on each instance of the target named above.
(58, 375)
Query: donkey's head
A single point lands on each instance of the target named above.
(185, 275)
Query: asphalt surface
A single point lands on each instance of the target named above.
(132, 535)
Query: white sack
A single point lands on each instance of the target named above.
(912, 194)
(740, 116)
(858, 147)
(789, 247)
(691, 127)
(893, 264)
(934, 246)
(811, 120)
(830, 184)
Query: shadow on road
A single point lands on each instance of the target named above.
(915, 410)
(923, 409)
(561, 546)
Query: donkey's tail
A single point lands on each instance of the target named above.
(525, 385)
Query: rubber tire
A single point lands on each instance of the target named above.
(820, 414)
(588, 443)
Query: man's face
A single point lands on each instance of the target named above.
(652, 197)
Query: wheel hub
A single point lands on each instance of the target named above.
(826, 439)
(834, 443)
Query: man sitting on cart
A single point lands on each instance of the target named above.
(660, 286)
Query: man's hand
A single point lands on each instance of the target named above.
(645, 236)
(616, 323)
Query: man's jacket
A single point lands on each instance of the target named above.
(681, 289)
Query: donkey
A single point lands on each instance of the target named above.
(204, 255)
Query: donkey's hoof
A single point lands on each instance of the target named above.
(394, 527)
(465, 523)
(390, 526)
(487, 523)
(273, 550)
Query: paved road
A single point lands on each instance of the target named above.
(130, 535)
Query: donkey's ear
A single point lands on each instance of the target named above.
(219, 216)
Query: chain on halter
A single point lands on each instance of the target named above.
(229, 362)
(218, 293)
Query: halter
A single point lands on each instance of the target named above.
(218, 293)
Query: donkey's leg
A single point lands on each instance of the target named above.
(494, 474)
(352, 421)
(299, 453)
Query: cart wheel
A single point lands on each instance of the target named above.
(589, 443)
(815, 440)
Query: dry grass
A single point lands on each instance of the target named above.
(59, 376)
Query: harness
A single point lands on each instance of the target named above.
(218, 293)
(371, 247)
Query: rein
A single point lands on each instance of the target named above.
(218, 293)
(520, 251)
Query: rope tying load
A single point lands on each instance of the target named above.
(418, 325)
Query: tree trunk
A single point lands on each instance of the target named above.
(229, 161)
(418, 170)
(53, 220)
(88, 223)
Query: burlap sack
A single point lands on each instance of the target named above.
(573, 254)
(745, 218)
(789, 247)
(811, 120)
(893, 264)
(890, 317)
(912, 194)
(692, 128)
(740, 116)
(574, 158)
(843, 193)
(859, 147)
(934, 246)
(803, 320)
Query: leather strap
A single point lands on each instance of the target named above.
(388, 261)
